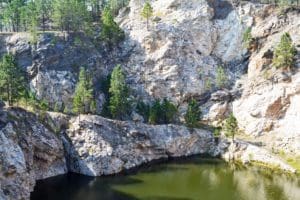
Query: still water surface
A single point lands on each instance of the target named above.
(190, 179)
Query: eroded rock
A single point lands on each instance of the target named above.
(98, 146)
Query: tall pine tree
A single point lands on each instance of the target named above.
(285, 52)
(119, 94)
(231, 126)
(193, 114)
(111, 33)
(147, 12)
(83, 98)
(12, 79)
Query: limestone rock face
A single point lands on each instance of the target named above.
(28, 152)
(53, 64)
(98, 146)
(269, 105)
(178, 55)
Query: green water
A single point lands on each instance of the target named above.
(191, 179)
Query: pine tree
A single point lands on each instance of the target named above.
(119, 93)
(155, 112)
(285, 52)
(164, 112)
(111, 32)
(193, 114)
(12, 79)
(169, 112)
(31, 17)
(45, 9)
(71, 15)
(143, 109)
(147, 12)
(231, 126)
(247, 37)
(83, 97)
(221, 78)
(12, 14)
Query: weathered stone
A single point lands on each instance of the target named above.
(248, 153)
(98, 146)
(28, 152)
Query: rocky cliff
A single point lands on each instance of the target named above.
(29, 151)
(97, 146)
(176, 58)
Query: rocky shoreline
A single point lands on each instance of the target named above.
(177, 59)
(96, 146)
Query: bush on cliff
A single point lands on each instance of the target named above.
(230, 126)
(83, 97)
(119, 104)
(164, 112)
(285, 52)
(193, 114)
(111, 33)
(12, 80)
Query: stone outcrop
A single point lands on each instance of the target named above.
(54, 62)
(177, 58)
(28, 152)
(252, 154)
(180, 53)
(269, 105)
(97, 146)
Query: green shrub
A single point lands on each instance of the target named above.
(193, 114)
(221, 79)
(119, 104)
(143, 109)
(164, 112)
(217, 131)
(230, 126)
(208, 84)
(247, 37)
(285, 52)
(155, 112)
(111, 33)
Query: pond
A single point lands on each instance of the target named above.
(187, 179)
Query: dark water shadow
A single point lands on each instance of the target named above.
(78, 187)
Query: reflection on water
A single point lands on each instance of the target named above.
(192, 179)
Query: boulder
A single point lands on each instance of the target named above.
(97, 146)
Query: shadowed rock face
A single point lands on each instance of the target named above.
(97, 146)
(222, 8)
(28, 152)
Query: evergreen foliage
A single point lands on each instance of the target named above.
(143, 109)
(155, 113)
(12, 80)
(71, 15)
(285, 52)
(119, 93)
(111, 32)
(83, 97)
(193, 114)
(147, 12)
(221, 78)
(163, 112)
(247, 37)
(105, 85)
(230, 126)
